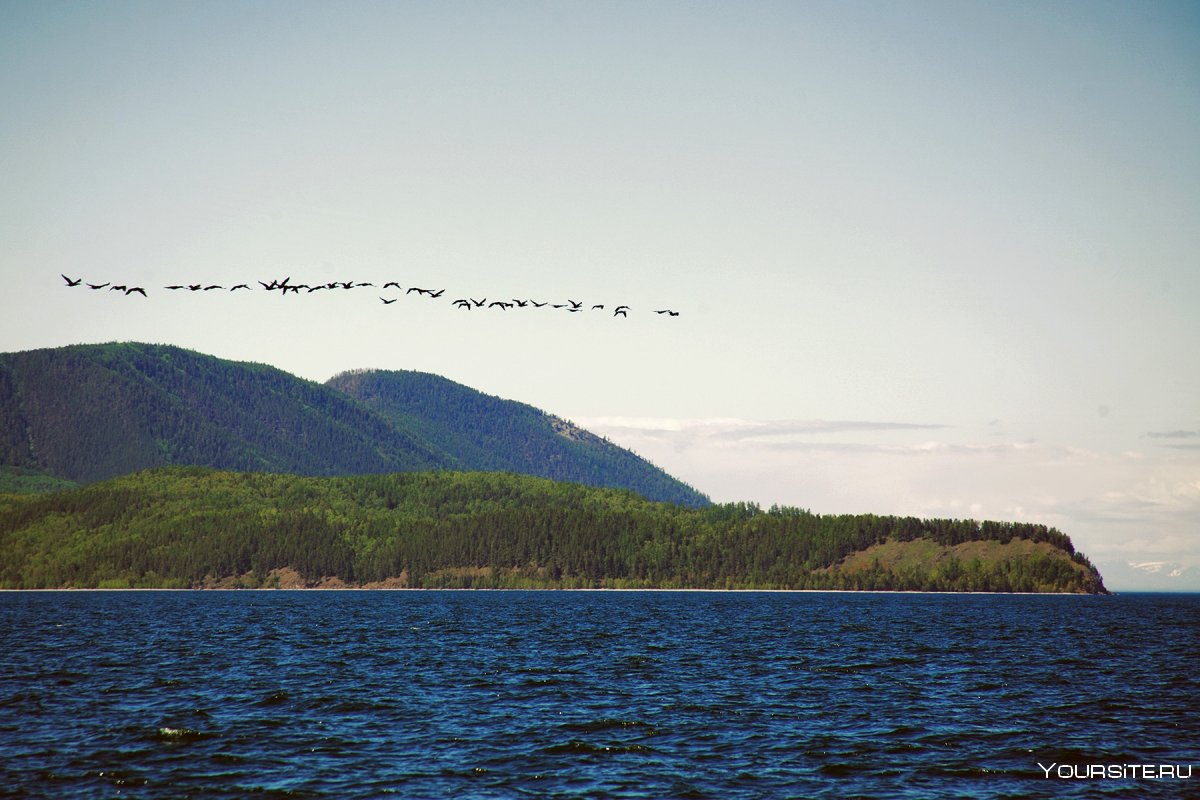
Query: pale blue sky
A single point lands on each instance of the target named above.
(930, 258)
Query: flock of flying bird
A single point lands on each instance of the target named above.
(285, 286)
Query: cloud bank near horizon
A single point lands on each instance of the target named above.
(1121, 506)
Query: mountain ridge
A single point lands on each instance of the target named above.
(90, 412)
(504, 435)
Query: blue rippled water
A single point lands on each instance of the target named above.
(594, 694)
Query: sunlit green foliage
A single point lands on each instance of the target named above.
(192, 526)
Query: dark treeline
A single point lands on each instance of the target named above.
(184, 527)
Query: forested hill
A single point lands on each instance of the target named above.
(493, 434)
(89, 412)
(193, 527)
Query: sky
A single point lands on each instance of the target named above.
(930, 259)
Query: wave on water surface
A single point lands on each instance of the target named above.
(632, 694)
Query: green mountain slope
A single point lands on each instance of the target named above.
(90, 412)
(185, 527)
(489, 433)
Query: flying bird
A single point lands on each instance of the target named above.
(622, 310)
(391, 283)
(239, 286)
(503, 305)
(117, 288)
(137, 289)
(478, 303)
(388, 302)
(462, 304)
(213, 286)
(97, 285)
(667, 311)
(70, 282)
(176, 286)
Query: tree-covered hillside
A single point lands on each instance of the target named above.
(184, 527)
(90, 412)
(490, 433)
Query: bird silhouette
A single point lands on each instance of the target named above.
(118, 288)
(175, 286)
(462, 304)
(575, 303)
(70, 282)
(391, 283)
(478, 303)
(239, 286)
(195, 287)
(598, 306)
(388, 302)
(622, 310)
(211, 287)
(667, 311)
(97, 285)
(503, 305)
(137, 289)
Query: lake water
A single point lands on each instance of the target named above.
(597, 694)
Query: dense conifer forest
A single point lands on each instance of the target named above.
(194, 527)
(89, 412)
(489, 433)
